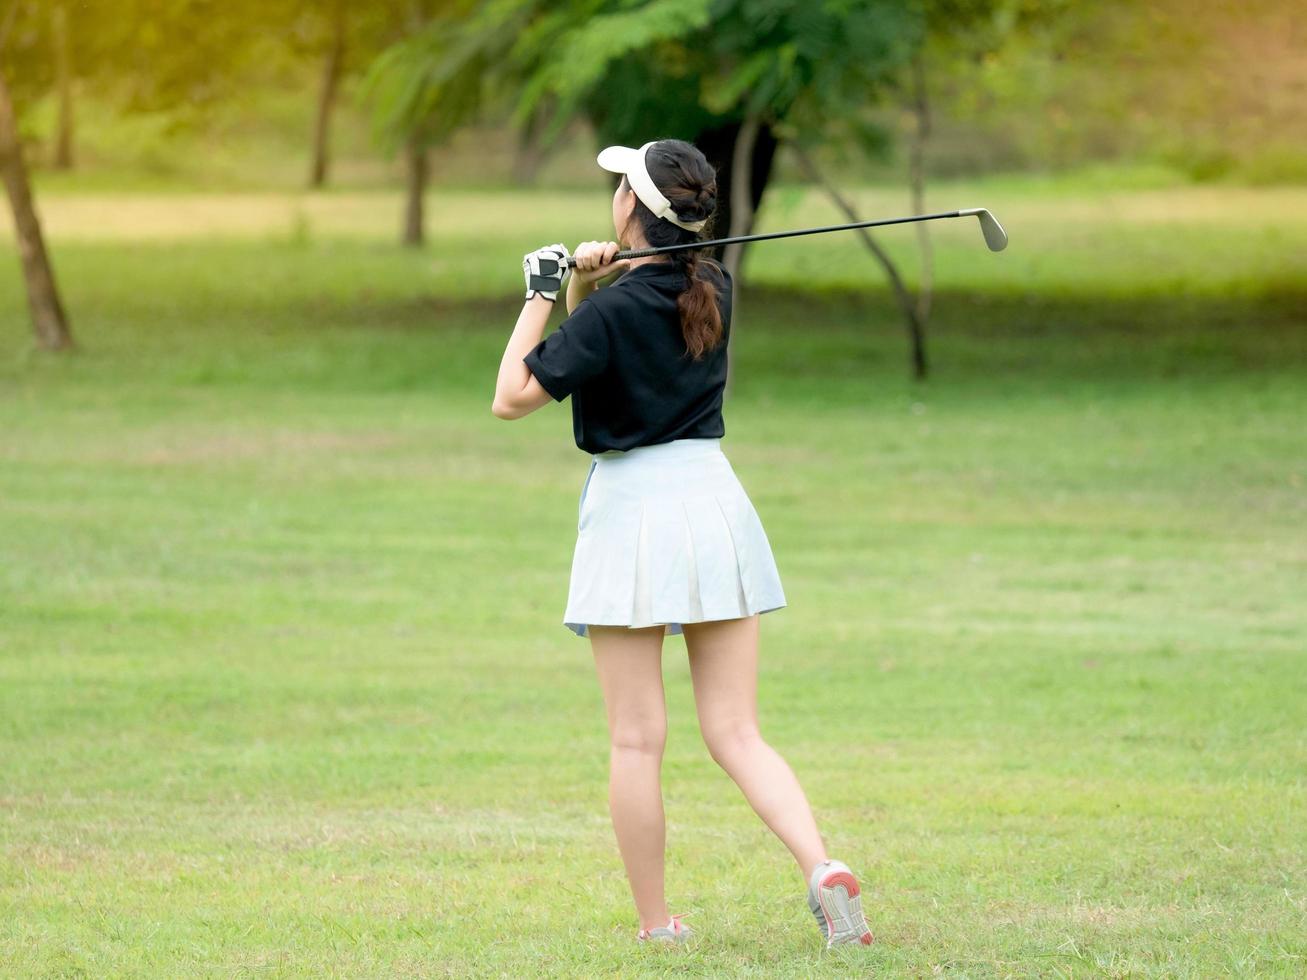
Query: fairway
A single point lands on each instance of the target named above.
(285, 689)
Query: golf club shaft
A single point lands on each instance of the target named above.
(637, 253)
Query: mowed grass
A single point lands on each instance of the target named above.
(284, 687)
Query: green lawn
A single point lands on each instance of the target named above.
(284, 686)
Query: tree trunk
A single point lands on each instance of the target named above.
(902, 295)
(741, 213)
(721, 146)
(415, 157)
(48, 320)
(63, 69)
(528, 155)
(741, 207)
(718, 145)
(917, 178)
(331, 70)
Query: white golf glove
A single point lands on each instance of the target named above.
(545, 270)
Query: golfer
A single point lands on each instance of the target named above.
(667, 539)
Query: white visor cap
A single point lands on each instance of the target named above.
(629, 161)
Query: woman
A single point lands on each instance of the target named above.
(667, 539)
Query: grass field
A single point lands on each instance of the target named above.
(284, 687)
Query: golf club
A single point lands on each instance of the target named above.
(995, 236)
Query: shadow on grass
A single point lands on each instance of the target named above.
(980, 336)
(427, 342)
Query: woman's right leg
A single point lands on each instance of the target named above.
(630, 667)
(724, 669)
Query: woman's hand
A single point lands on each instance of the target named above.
(545, 269)
(594, 261)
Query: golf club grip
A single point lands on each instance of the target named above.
(633, 253)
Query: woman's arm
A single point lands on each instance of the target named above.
(517, 392)
(577, 290)
(594, 261)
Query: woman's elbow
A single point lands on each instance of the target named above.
(502, 410)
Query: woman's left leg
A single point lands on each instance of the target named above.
(724, 670)
(630, 667)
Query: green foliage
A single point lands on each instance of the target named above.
(426, 86)
(581, 51)
(807, 65)
(25, 51)
(810, 69)
(1203, 85)
(177, 57)
(1278, 162)
(812, 65)
(638, 98)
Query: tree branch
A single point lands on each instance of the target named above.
(902, 295)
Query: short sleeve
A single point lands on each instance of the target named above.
(573, 354)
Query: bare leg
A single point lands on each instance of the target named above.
(724, 668)
(630, 667)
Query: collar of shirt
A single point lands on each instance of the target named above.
(649, 269)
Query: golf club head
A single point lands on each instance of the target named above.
(995, 236)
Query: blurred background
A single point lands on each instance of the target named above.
(281, 601)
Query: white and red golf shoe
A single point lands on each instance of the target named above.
(836, 903)
(674, 932)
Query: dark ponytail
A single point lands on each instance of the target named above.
(689, 182)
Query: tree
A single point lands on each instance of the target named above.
(341, 36)
(432, 82)
(957, 31)
(333, 64)
(697, 69)
(49, 321)
(751, 74)
(61, 38)
(739, 78)
(130, 50)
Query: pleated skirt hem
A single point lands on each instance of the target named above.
(672, 628)
(666, 536)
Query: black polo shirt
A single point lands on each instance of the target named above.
(621, 356)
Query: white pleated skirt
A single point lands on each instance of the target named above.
(666, 535)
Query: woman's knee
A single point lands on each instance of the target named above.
(729, 741)
(644, 737)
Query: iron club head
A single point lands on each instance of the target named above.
(995, 236)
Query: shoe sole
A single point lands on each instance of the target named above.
(661, 935)
(841, 903)
(677, 940)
